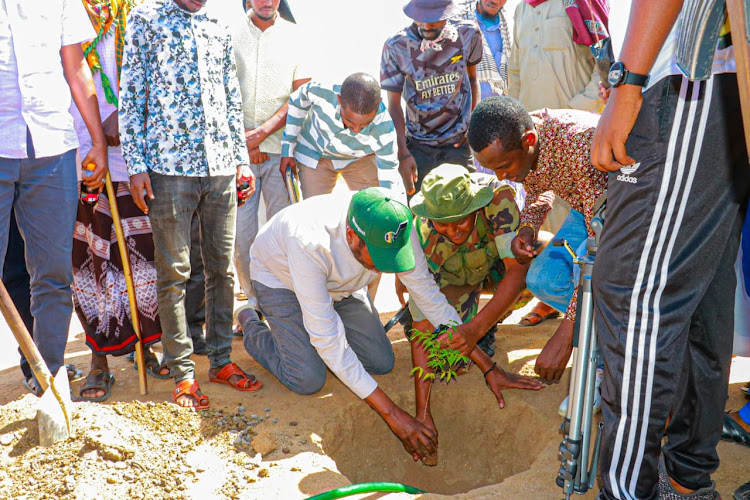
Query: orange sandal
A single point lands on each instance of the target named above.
(247, 382)
(190, 387)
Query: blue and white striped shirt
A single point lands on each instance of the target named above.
(314, 130)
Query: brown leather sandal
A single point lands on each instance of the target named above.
(246, 383)
(190, 387)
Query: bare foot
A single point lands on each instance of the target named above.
(188, 400)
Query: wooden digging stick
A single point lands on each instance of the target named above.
(125, 258)
(738, 18)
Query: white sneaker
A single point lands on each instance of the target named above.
(563, 409)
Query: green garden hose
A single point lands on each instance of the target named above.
(356, 489)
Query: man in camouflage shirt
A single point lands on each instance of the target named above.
(465, 223)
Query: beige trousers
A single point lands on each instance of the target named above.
(358, 175)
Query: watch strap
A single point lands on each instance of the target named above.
(635, 79)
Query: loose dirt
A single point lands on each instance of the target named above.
(275, 444)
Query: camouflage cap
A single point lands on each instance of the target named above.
(449, 195)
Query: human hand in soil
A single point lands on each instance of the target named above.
(550, 365)
(498, 379)
(419, 440)
(425, 417)
(523, 245)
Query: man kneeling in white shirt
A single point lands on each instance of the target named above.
(311, 264)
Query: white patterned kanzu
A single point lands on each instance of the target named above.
(268, 62)
(180, 103)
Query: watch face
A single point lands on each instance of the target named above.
(616, 74)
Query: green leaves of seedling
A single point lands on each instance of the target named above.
(442, 361)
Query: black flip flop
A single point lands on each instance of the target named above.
(73, 372)
(733, 432)
(34, 389)
(97, 379)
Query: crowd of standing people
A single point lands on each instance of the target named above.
(489, 141)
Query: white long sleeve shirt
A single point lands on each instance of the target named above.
(303, 248)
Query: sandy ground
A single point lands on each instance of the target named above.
(137, 446)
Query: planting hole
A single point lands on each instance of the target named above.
(479, 444)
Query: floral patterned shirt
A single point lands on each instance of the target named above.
(563, 169)
(180, 102)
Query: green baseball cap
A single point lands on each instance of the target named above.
(384, 225)
(448, 195)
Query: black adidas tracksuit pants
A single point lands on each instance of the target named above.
(664, 286)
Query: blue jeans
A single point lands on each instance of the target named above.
(171, 211)
(270, 184)
(285, 350)
(43, 193)
(552, 276)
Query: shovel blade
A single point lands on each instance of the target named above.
(54, 411)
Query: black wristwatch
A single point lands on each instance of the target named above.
(618, 75)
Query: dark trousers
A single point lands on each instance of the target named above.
(664, 286)
(195, 293)
(429, 157)
(18, 282)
